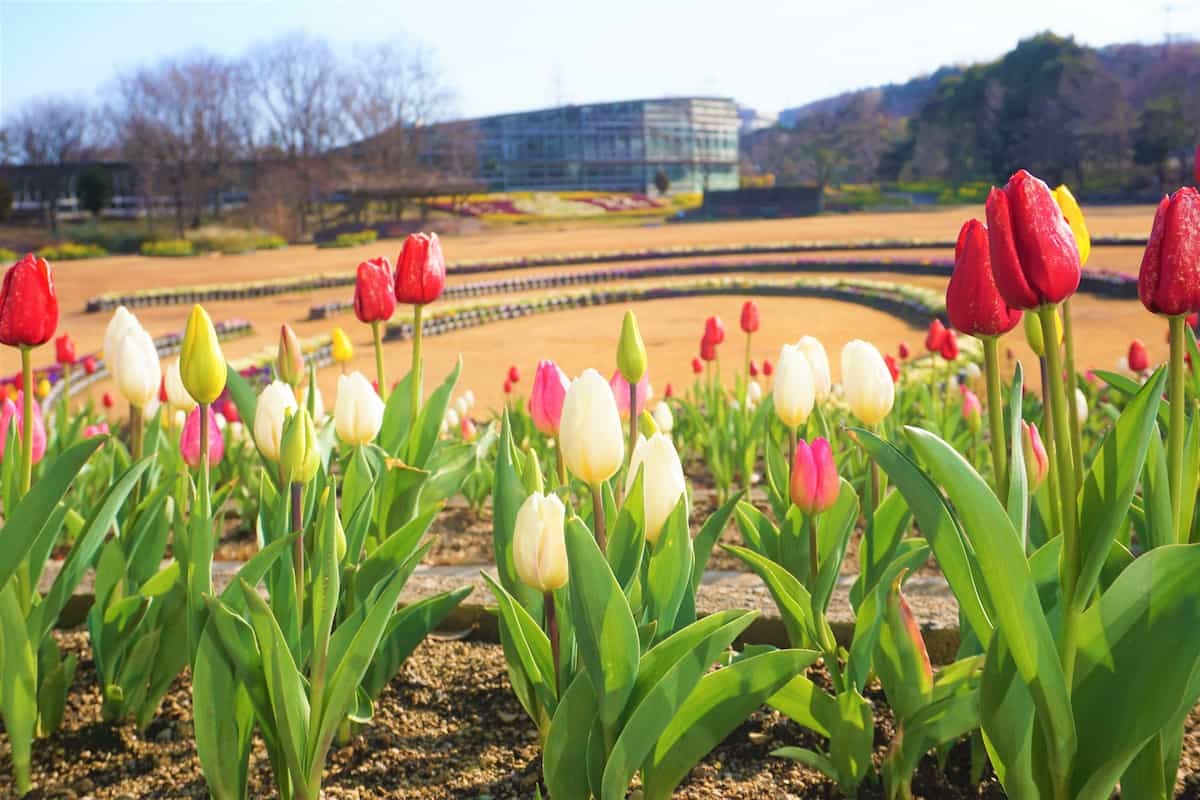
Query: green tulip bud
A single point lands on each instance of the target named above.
(646, 424)
(299, 456)
(631, 351)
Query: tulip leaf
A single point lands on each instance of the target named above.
(806, 704)
(720, 702)
(627, 542)
(892, 520)
(833, 535)
(407, 629)
(1131, 638)
(653, 710)
(1156, 524)
(605, 630)
(669, 572)
(18, 657)
(871, 615)
(428, 425)
(1013, 594)
(1128, 388)
(709, 535)
(1111, 482)
(791, 598)
(526, 647)
(778, 491)
(934, 725)
(508, 493)
(1017, 503)
(1191, 479)
(242, 394)
(395, 552)
(566, 747)
(758, 532)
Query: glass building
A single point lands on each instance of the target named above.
(613, 146)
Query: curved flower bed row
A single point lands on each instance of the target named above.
(203, 293)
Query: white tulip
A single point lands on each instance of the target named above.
(663, 418)
(358, 411)
(179, 417)
(138, 372)
(451, 418)
(1081, 404)
(177, 393)
(754, 393)
(122, 323)
(867, 383)
(461, 406)
(795, 389)
(662, 480)
(539, 545)
(593, 444)
(1123, 366)
(469, 396)
(274, 404)
(818, 362)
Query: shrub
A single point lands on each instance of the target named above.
(351, 239)
(7, 256)
(168, 248)
(70, 251)
(270, 241)
(95, 190)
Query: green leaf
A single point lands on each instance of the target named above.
(429, 423)
(605, 630)
(670, 570)
(508, 493)
(722, 701)
(791, 598)
(892, 520)
(18, 699)
(566, 746)
(833, 534)
(1157, 526)
(810, 759)
(934, 726)
(710, 533)
(243, 395)
(398, 422)
(1018, 481)
(407, 629)
(627, 540)
(852, 739)
(526, 647)
(807, 705)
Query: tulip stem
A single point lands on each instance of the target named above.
(598, 517)
(991, 361)
(66, 392)
(1048, 443)
(205, 498)
(560, 462)
(1072, 388)
(748, 336)
(1176, 433)
(377, 335)
(633, 423)
(552, 634)
(26, 428)
(814, 563)
(418, 311)
(1065, 466)
(298, 545)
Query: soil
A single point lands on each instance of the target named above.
(447, 726)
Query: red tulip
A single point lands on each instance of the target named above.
(64, 350)
(162, 389)
(28, 304)
(1139, 359)
(550, 386)
(815, 483)
(467, 428)
(229, 411)
(89, 365)
(668, 392)
(935, 337)
(1169, 279)
(974, 305)
(107, 399)
(697, 366)
(1193, 319)
(750, 318)
(903, 351)
(507, 386)
(1035, 259)
(420, 270)
(714, 330)
(1196, 166)
(514, 374)
(892, 367)
(767, 369)
(753, 370)
(708, 349)
(949, 348)
(374, 294)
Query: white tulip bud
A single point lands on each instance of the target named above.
(593, 444)
(754, 393)
(274, 405)
(451, 418)
(663, 417)
(358, 411)
(138, 372)
(867, 383)
(539, 546)
(461, 406)
(662, 480)
(177, 393)
(795, 390)
(818, 362)
(122, 323)
(1081, 405)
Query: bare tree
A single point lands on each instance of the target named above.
(49, 133)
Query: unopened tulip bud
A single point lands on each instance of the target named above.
(12, 410)
(89, 365)
(767, 369)
(299, 455)
(646, 424)
(935, 336)
(289, 363)
(358, 411)
(590, 432)
(28, 303)
(866, 382)
(794, 391)
(539, 545)
(139, 372)
(697, 366)
(972, 410)
(714, 330)
(177, 394)
(664, 420)
(201, 362)
(374, 294)
(1033, 333)
(467, 429)
(451, 418)
(123, 322)
(1139, 359)
(514, 374)
(1074, 214)
(343, 349)
(949, 349)
(43, 388)
(631, 350)
(189, 439)
(64, 350)
(973, 302)
(1081, 405)
(546, 398)
(275, 403)
(753, 370)
(754, 393)
(815, 483)
(1035, 259)
(420, 270)
(818, 361)
(662, 480)
(1169, 277)
(750, 316)
(1037, 464)
(902, 351)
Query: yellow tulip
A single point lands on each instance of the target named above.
(1070, 208)
(201, 362)
(1033, 333)
(343, 350)
(43, 388)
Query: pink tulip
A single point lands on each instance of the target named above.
(10, 410)
(620, 388)
(96, 430)
(189, 439)
(1037, 463)
(815, 483)
(972, 409)
(546, 400)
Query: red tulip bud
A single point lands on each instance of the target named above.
(708, 348)
(420, 270)
(1035, 259)
(892, 368)
(949, 349)
(668, 392)
(753, 370)
(107, 399)
(1169, 279)
(1139, 359)
(507, 386)
(28, 303)
(767, 369)
(714, 330)
(935, 337)
(903, 351)
(229, 411)
(697, 366)
(750, 318)
(973, 303)
(89, 365)
(64, 350)
(374, 294)
(514, 374)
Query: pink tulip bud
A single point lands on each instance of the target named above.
(95, 430)
(189, 439)
(546, 399)
(815, 483)
(13, 410)
(620, 388)
(972, 409)
(1037, 465)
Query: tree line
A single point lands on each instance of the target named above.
(284, 125)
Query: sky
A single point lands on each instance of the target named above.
(510, 55)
